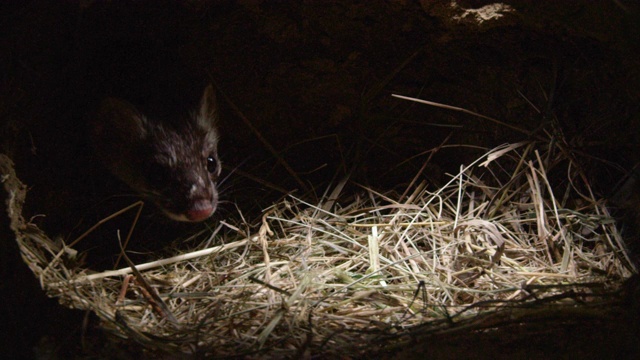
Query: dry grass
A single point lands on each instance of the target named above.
(342, 275)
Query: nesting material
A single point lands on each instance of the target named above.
(517, 229)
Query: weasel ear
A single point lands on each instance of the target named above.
(120, 118)
(117, 130)
(208, 112)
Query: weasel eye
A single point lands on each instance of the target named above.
(212, 164)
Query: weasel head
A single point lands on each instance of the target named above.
(172, 163)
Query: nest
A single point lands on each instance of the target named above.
(518, 230)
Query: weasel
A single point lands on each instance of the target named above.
(173, 163)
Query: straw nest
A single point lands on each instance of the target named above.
(350, 276)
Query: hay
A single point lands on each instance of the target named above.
(342, 275)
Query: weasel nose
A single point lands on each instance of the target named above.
(200, 210)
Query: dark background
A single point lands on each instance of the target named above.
(314, 79)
